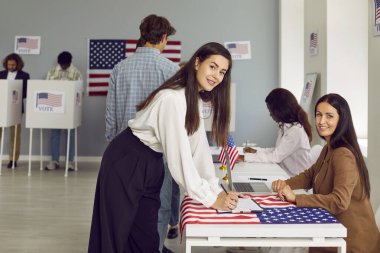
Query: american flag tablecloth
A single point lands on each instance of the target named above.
(275, 212)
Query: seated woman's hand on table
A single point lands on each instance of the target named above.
(249, 150)
(227, 201)
(284, 192)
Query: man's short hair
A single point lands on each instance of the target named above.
(65, 58)
(153, 27)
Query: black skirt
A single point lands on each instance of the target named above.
(127, 198)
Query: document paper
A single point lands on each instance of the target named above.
(245, 205)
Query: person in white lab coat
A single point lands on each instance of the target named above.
(292, 150)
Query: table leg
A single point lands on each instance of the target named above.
(30, 152)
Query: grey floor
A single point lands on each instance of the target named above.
(47, 212)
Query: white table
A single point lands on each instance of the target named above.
(264, 235)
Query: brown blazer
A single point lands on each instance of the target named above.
(337, 188)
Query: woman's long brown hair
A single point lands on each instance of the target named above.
(219, 96)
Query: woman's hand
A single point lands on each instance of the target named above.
(249, 150)
(226, 201)
(278, 185)
(286, 194)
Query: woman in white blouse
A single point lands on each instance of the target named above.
(169, 122)
(292, 150)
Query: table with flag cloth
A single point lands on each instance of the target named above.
(281, 224)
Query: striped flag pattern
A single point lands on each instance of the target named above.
(49, 99)
(275, 212)
(27, 43)
(104, 54)
(231, 150)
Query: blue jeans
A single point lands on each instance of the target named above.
(164, 212)
(56, 143)
(174, 218)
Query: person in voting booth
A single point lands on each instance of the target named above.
(13, 65)
(64, 70)
(292, 150)
(339, 178)
(168, 122)
(131, 82)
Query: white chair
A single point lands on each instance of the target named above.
(314, 152)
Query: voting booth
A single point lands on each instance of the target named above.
(10, 109)
(54, 104)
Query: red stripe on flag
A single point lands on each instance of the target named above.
(99, 75)
(174, 59)
(97, 93)
(132, 41)
(130, 50)
(98, 84)
(175, 43)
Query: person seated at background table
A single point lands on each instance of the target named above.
(13, 65)
(292, 151)
(339, 178)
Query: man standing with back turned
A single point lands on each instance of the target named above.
(132, 80)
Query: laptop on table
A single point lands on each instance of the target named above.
(246, 187)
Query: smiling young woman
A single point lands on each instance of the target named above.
(339, 178)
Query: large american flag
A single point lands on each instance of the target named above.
(50, 99)
(104, 54)
(231, 150)
(275, 212)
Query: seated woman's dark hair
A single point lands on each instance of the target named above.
(285, 108)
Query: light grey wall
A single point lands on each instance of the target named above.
(373, 160)
(67, 25)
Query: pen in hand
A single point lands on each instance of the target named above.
(258, 179)
(224, 189)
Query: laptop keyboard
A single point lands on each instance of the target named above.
(243, 187)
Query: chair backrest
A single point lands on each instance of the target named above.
(315, 151)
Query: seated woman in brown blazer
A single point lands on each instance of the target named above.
(339, 178)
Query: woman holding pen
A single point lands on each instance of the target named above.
(167, 123)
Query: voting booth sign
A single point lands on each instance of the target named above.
(10, 102)
(54, 104)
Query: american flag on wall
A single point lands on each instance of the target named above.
(313, 40)
(27, 43)
(104, 54)
(231, 150)
(377, 12)
(275, 212)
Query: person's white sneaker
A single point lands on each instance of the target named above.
(71, 166)
(53, 165)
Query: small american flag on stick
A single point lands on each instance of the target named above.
(231, 150)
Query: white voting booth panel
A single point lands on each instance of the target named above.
(54, 104)
(10, 102)
(41, 114)
(10, 108)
